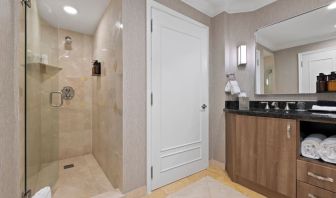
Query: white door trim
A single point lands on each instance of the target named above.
(153, 4)
(300, 63)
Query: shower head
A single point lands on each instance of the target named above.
(68, 43)
(68, 40)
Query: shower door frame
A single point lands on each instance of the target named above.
(27, 192)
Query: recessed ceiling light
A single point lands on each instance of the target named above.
(70, 10)
(332, 6)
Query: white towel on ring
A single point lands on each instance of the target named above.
(327, 150)
(232, 87)
(310, 146)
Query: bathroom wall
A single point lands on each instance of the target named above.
(108, 95)
(218, 81)
(134, 82)
(238, 29)
(75, 117)
(11, 130)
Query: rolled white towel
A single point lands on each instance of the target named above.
(323, 108)
(311, 144)
(327, 150)
(43, 193)
(235, 89)
(228, 87)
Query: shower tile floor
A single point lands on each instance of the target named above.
(85, 180)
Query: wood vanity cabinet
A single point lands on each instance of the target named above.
(262, 154)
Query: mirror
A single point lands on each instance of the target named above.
(291, 54)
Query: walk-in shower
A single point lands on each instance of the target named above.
(73, 117)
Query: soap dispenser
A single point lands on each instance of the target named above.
(96, 69)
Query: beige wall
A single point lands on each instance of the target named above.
(11, 134)
(134, 88)
(75, 117)
(107, 95)
(218, 59)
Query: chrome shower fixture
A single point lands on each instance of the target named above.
(68, 43)
(68, 40)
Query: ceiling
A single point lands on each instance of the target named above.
(315, 26)
(214, 7)
(86, 21)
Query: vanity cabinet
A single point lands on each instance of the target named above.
(263, 154)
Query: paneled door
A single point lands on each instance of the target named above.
(179, 123)
(313, 63)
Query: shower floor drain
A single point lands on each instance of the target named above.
(69, 166)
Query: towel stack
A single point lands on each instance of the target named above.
(318, 146)
(232, 87)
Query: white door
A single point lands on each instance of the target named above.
(313, 63)
(180, 89)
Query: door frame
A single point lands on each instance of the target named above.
(149, 5)
(300, 62)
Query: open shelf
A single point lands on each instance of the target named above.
(319, 162)
(44, 66)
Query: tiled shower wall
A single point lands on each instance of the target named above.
(107, 137)
(75, 117)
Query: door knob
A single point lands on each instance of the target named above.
(204, 106)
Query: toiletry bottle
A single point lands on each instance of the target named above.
(321, 83)
(96, 69)
(332, 82)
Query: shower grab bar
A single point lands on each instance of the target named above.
(51, 98)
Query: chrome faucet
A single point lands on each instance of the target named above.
(287, 108)
(267, 105)
(275, 105)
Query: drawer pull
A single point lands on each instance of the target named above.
(311, 195)
(327, 179)
(289, 129)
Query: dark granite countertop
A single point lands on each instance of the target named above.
(305, 115)
(255, 110)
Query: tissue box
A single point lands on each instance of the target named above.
(244, 103)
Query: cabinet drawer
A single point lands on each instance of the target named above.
(308, 191)
(317, 175)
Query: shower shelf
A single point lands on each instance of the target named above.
(42, 65)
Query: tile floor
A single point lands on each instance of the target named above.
(213, 172)
(87, 180)
(207, 187)
(84, 180)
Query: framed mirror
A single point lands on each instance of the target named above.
(290, 55)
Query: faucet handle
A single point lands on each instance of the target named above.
(275, 105)
(267, 105)
(287, 105)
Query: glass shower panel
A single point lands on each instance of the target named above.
(42, 119)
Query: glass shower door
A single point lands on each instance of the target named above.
(42, 106)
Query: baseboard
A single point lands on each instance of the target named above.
(217, 164)
(139, 192)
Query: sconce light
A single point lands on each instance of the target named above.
(242, 55)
